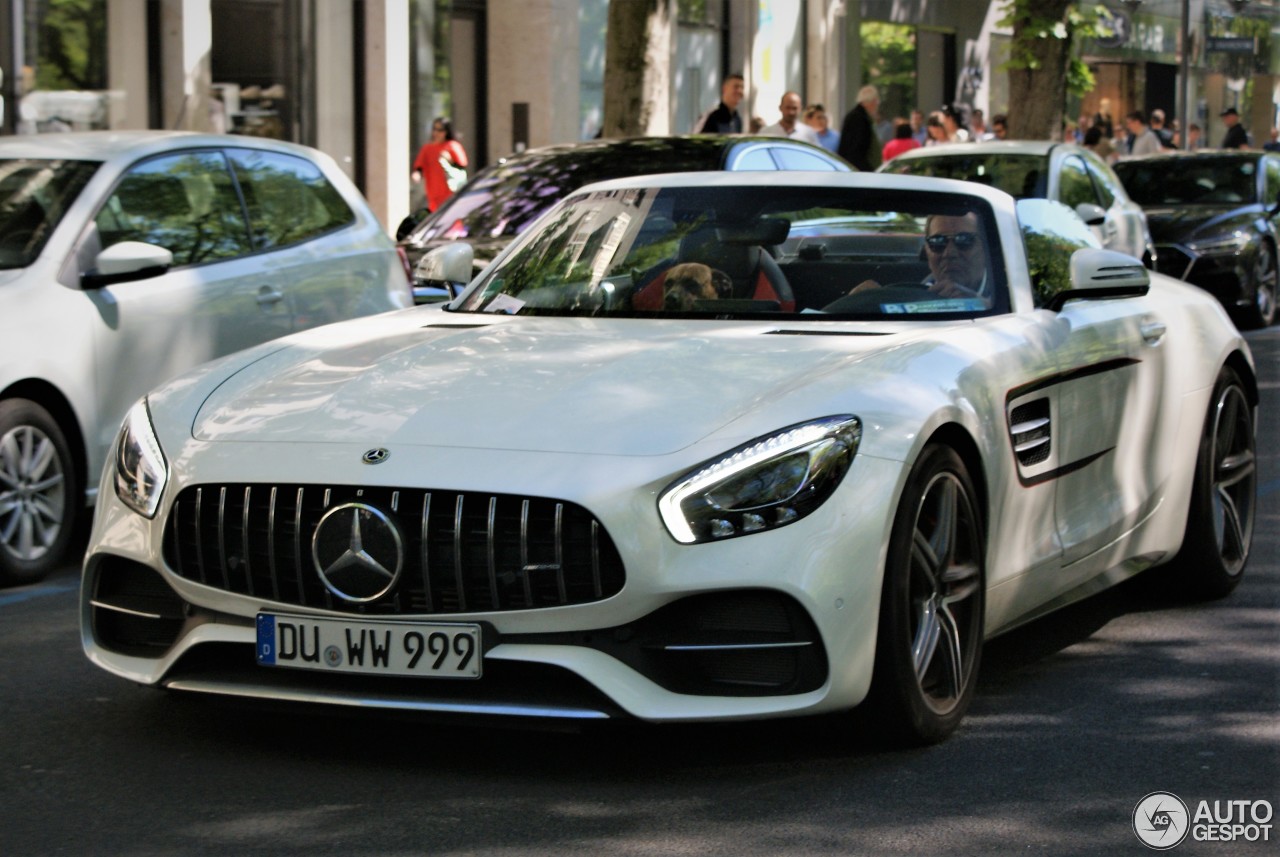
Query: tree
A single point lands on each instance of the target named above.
(1041, 60)
(637, 65)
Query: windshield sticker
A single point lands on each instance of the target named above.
(945, 305)
(505, 304)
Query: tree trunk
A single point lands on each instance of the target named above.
(1037, 96)
(637, 64)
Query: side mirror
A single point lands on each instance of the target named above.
(1092, 213)
(126, 261)
(447, 268)
(1102, 274)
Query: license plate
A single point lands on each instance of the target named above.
(374, 648)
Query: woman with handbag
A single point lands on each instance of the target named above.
(441, 163)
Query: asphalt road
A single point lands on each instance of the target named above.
(1078, 717)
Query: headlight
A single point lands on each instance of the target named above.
(762, 485)
(1220, 245)
(141, 471)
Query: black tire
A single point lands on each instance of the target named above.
(1220, 520)
(929, 641)
(1264, 280)
(40, 500)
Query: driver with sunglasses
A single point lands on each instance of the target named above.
(957, 258)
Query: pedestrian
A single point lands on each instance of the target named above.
(859, 144)
(724, 118)
(1158, 128)
(1103, 120)
(936, 129)
(815, 116)
(978, 126)
(954, 123)
(1000, 126)
(902, 141)
(1193, 136)
(1142, 140)
(441, 164)
(1272, 145)
(1236, 137)
(790, 125)
(918, 131)
(1099, 145)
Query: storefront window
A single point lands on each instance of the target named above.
(60, 70)
(254, 65)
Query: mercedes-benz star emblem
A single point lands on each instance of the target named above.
(358, 552)
(376, 456)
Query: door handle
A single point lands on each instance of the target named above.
(1153, 332)
(269, 297)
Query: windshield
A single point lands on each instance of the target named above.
(504, 199)
(34, 196)
(750, 251)
(1190, 181)
(1021, 176)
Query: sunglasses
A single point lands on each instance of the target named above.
(963, 241)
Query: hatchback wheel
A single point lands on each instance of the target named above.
(38, 495)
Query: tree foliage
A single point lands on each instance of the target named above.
(1041, 59)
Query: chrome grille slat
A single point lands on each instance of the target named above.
(457, 555)
(492, 553)
(204, 574)
(244, 539)
(222, 537)
(462, 551)
(426, 553)
(564, 595)
(271, 548)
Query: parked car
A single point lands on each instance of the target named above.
(694, 447)
(1215, 216)
(1063, 172)
(502, 200)
(126, 258)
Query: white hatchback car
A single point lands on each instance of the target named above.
(126, 258)
(1041, 169)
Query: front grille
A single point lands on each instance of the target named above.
(462, 552)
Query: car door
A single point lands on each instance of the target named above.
(316, 257)
(1096, 416)
(214, 300)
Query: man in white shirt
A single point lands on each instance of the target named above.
(790, 125)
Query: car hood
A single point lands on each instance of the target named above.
(631, 387)
(1174, 225)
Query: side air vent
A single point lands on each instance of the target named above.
(1030, 430)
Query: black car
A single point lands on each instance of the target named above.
(1215, 218)
(500, 201)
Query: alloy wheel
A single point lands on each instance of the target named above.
(1234, 478)
(945, 574)
(1265, 284)
(32, 493)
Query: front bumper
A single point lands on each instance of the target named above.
(777, 623)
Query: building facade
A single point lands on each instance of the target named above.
(363, 79)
